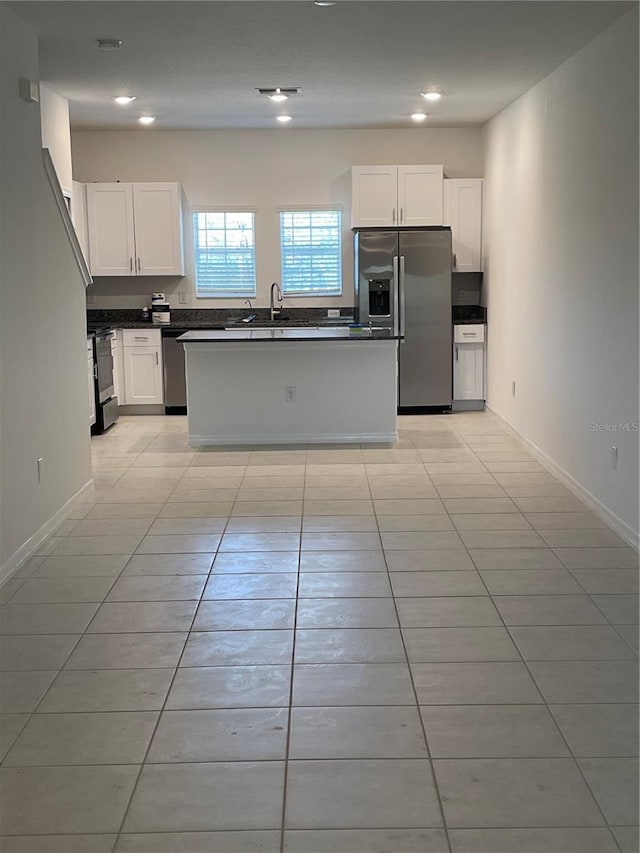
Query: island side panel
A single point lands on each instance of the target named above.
(344, 392)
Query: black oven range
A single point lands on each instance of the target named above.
(106, 401)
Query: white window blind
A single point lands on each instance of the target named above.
(311, 252)
(225, 254)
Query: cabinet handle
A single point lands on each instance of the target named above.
(401, 214)
(469, 334)
(130, 264)
(455, 260)
(456, 353)
(138, 264)
(394, 216)
(157, 362)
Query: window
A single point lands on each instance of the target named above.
(311, 252)
(225, 254)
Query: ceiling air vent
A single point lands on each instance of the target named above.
(277, 90)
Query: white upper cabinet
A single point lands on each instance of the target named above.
(158, 226)
(374, 196)
(110, 223)
(420, 195)
(463, 212)
(135, 229)
(79, 217)
(393, 196)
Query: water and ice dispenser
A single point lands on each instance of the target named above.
(379, 297)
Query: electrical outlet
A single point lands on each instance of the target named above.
(513, 388)
(614, 456)
(40, 464)
(333, 312)
(290, 393)
(462, 296)
(182, 298)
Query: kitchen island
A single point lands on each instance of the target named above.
(291, 385)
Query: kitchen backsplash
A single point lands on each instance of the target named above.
(466, 288)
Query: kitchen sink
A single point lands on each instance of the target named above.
(280, 323)
(272, 327)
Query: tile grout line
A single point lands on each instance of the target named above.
(555, 722)
(416, 704)
(287, 755)
(171, 683)
(545, 704)
(229, 515)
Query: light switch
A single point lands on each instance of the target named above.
(29, 90)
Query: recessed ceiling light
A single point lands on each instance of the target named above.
(431, 96)
(278, 96)
(284, 119)
(109, 44)
(124, 99)
(324, 2)
(418, 116)
(147, 119)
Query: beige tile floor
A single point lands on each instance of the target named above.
(421, 648)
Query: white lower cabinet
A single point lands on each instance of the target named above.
(142, 367)
(468, 367)
(116, 355)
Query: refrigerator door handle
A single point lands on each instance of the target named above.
(402, 296)
(396, 280)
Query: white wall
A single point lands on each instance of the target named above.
(56, 133)
(263, 170)
(561, 280)
(44, 411)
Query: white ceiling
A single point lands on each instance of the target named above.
(360, 64)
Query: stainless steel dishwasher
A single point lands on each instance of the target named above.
(175, 384)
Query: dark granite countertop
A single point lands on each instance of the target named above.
(215, 318)
(257, 335)
(146, 324)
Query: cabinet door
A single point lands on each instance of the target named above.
(116, 354)
(92, 392)
(420, 195)
(142, 375)
(374, 196)
(79, 217)
(463, 212)
(468, 371)
(158, 229)
(110, 224)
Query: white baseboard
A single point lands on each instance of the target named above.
(621, 527)
(320, 438)
(27, 549)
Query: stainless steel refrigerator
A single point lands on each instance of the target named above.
(403, 282)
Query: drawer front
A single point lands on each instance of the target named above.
(141, 338)
(471, 333)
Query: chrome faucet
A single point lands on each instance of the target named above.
(250, 316)
(273, 311)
